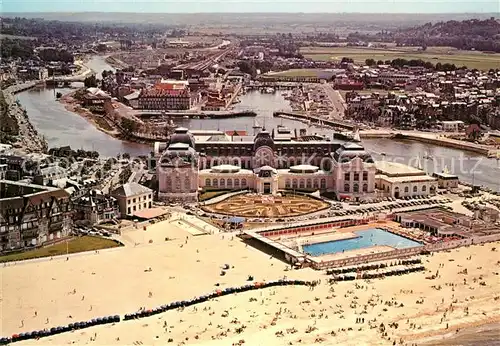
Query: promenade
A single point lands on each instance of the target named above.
(432, 138)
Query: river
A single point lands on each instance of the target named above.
(61, 127)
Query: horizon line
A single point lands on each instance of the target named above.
(280, 12)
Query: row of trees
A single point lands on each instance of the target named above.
(413, 63)
(251, 66)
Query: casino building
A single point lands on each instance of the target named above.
(269, 162)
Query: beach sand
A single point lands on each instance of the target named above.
(115, 282)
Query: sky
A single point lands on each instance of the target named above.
(314, 6)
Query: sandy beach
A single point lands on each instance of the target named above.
(47, 293)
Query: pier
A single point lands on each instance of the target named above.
(315, 119)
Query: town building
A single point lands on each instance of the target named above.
(133, 197)
(446, 180)
(266, 163)
(96, 207)
(32, 215)
(398, 180)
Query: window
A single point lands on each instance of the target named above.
(287, 183)
(230, 183)
(346, 188)
(356, 176)
(365, 187)
(236, 182)
(145, 204)
(323, 183)
(355, 188)
(415, 189)
(222, 182)
(301, 183)
(309, 183)
(243, 182)
(135, 208)
(294, 183)
(407, 189)
(215, 183)
(316, 183)
(365, 176)
(128, 210)
(187, 183)
(347, 176)
(207, 182)
(134, 200)
(177, 183)
(128, 202)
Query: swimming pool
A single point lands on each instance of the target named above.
(364, 239)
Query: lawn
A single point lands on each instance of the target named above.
(307, 72)
(470, 59)
(80, 244)
(211, 194)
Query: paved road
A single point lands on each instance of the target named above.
(337, 100)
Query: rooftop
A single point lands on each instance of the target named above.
(131, 189)
(393, 169)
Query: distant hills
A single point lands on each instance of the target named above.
(387, 21)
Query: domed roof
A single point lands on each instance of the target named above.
(262, 139)
(349, 151)
(182, 135)
(266, 172)
(178, 154)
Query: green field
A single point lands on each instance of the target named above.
(307, 72)
(80, 244)
(479, 60)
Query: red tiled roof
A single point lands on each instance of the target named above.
(163, 93)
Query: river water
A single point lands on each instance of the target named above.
(62, 127)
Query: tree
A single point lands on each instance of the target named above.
(128, 125)
(370, 62)
(380, 62)
(90, 82)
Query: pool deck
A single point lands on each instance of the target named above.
(353, 253)
(320, 238)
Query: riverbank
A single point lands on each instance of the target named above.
(99, 122)
(115, 62)
(27, 137)
(431, 138)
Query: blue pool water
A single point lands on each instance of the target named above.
(364, 239)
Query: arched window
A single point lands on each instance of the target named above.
(243, 182)
(309, 183)
(424, 188)
(294, 183)
(207, 182)
(355, 188)
(407, 189)
(301, 183)
(287, 183)
(236, 182)
(323, 183)
(316, 183)
(187, 183)
(365, 187)
(178, 183)
(168, 182)
(415, 189)
(346, 188)
(230, 183)
(215, 182)
(222, 182)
